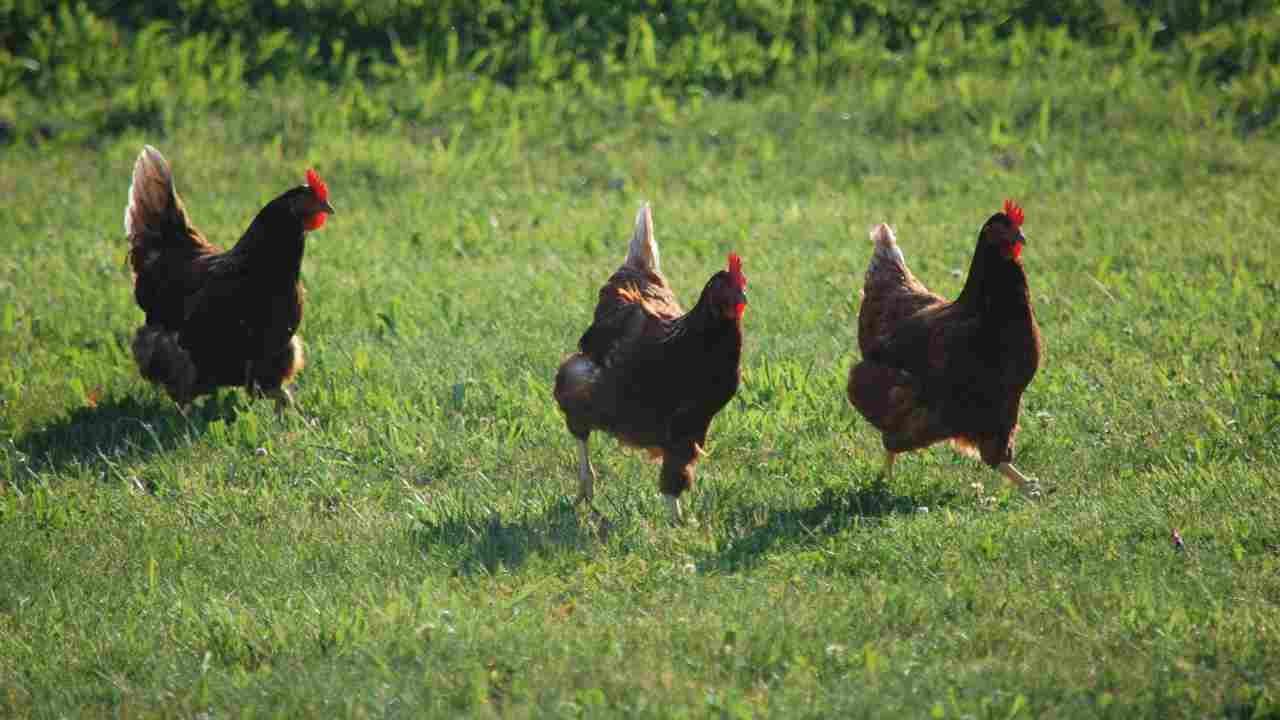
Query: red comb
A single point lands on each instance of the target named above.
(317, 186)
(1014, 212)
(735, 269)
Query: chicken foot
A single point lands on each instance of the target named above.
(1029, 486)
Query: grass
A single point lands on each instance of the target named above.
(405, 544)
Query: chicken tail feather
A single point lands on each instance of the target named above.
(886, 250)
(642, 254)
(155, 220)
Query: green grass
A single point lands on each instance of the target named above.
(405, 544)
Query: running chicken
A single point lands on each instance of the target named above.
(649, 373)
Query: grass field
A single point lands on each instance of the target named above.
(405, 544)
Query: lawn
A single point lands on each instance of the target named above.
(405, 543)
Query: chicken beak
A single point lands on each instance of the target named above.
(326, 207)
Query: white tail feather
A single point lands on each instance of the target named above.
(642, 254)
(886, 247)
(149, 193)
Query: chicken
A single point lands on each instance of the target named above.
(216, 318)
(650, 374)
(934, 370)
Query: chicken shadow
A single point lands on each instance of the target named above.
(836, 509)
(477, 544)
(114, 430)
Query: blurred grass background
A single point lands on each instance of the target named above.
(83, 70)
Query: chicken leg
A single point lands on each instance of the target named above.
(887, 473)
(586, 474)
(282, 396)
(673, 504)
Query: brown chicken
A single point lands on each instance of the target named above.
(650, 374)
(216, 318)
(935, 370)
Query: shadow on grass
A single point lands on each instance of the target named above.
(124, 428)
(489, 543)
(837, 509)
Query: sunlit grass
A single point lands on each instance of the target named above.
(405, 543)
